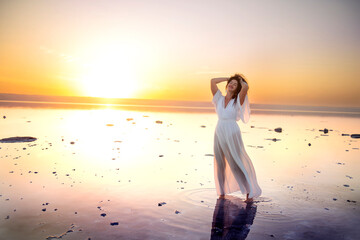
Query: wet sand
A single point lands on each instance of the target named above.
(113, 174)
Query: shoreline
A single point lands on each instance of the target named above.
(175, 108)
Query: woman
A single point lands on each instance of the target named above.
(234, 170)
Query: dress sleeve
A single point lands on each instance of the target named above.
(243, 111)
(216, 97)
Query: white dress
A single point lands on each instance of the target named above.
(233, 168)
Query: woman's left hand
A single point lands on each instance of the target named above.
(243, 83)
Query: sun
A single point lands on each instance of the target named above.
(110, 73)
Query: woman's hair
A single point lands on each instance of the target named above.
(236, 77)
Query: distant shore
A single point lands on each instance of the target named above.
(66, 102)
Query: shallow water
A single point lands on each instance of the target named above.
(54, 188)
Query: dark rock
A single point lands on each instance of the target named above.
(44, 209)
(344, 134)
(279, 129)
(161, 155)
(325, 130)
(346, 185)
(177, 212)
(162, 203)
(114, 223)
(309, 144)
(4, 117)
(17, 139)
(103, 214)
(355, 135)
(273, 139)
(203, 126)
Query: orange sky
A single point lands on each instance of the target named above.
(292, 52)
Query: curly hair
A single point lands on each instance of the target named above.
(238, 77)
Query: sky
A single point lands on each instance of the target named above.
(298, 52)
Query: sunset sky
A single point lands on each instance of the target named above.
(300, 52)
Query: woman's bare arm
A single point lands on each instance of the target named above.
(243, 92)
(215, 81)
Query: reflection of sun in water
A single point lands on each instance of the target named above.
(110, 74)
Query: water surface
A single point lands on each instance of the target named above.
(122, 163)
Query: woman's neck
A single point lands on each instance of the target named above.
(229, 95)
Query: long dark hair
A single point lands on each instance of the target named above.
(236, 77)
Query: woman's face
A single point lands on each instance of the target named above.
(233, 84)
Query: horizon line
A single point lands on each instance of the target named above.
(147, 99)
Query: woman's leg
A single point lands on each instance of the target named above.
(219, 168)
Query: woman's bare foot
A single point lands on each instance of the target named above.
(248, 199)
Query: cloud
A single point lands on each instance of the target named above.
(65, 57)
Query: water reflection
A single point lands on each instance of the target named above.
(232, 218)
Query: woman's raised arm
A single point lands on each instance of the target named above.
(215, 81)
(243, 92)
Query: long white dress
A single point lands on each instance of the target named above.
(233, 168)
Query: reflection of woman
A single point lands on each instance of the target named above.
(232, 218)
(234, 170)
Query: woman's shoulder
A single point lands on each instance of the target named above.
(219, 92)
(217, 96)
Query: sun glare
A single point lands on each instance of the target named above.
(110, 73)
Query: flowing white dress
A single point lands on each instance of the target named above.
(233, 168)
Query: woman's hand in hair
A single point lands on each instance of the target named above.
(244, 84)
